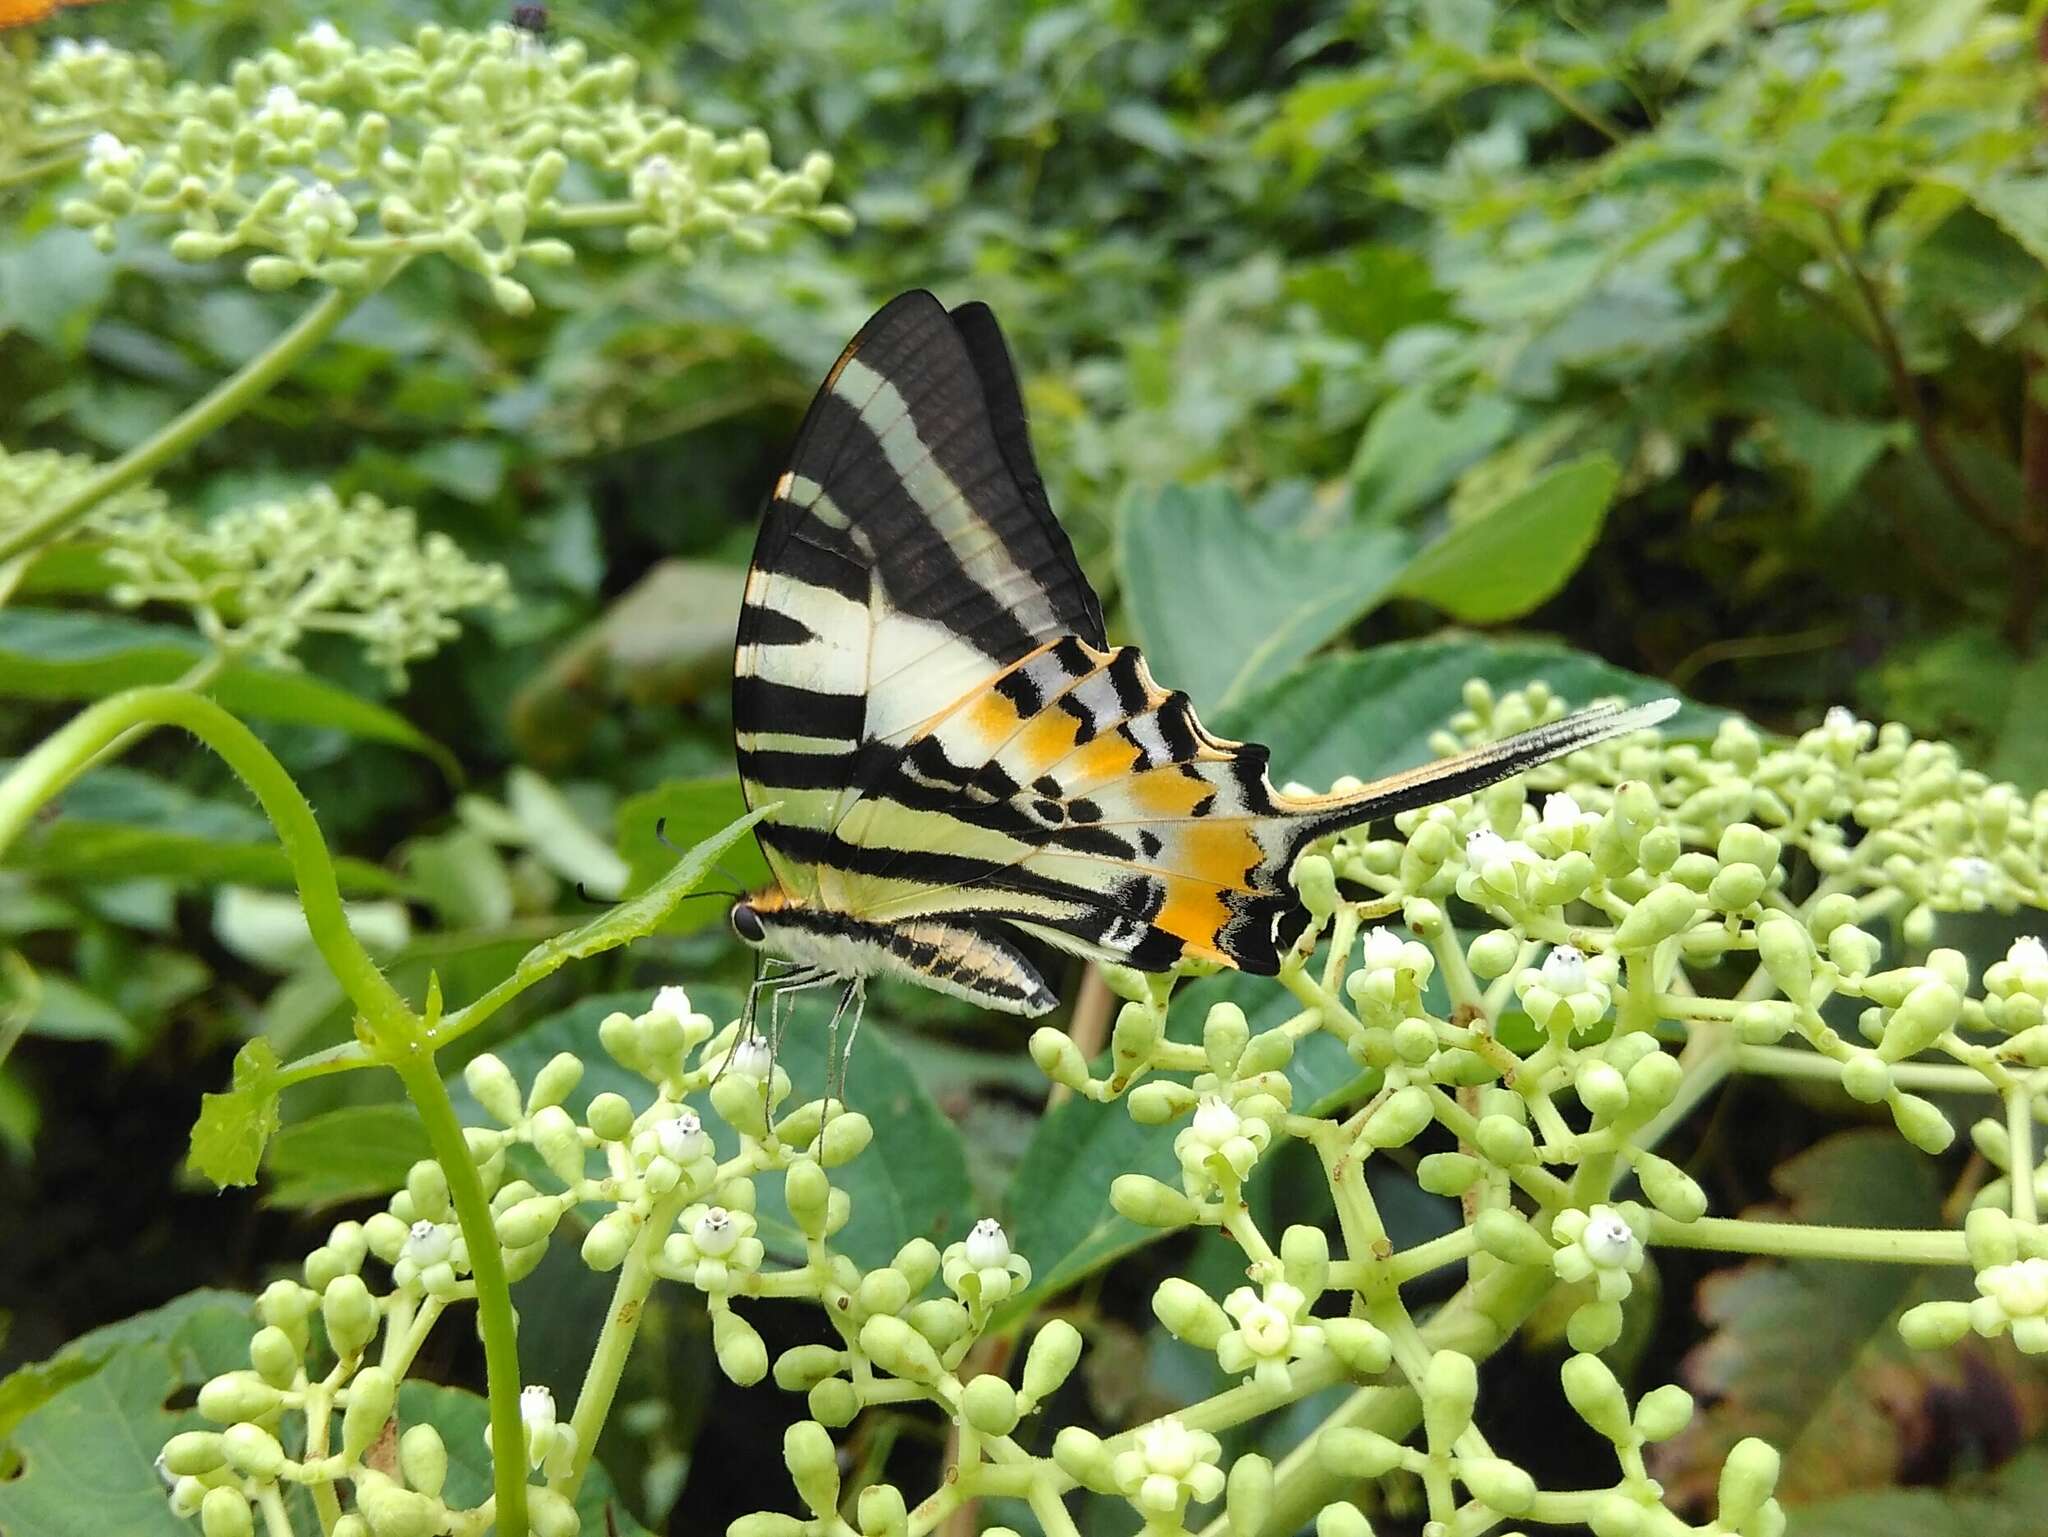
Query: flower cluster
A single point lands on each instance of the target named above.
(334, 162)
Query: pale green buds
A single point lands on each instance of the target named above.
(1921, 1123)
(609, 1240)
(350, 1314)
(1934, 1325)
(1058, 1058)
(833, 1402)
(1595, 1393)
(1083, 1458)
(610, 1117)
(736, 1343)
(845, 1137)
(1450, 1389)
(900, 1349)
(1342, 1519)
(989, 1404)
(252, 1452)
(1657, 917)
(193, 1452)
(555, 1082)
(558, 1140)
(881, 1512)
(1504, 1141)
(767, 1523)
(529, 1221)
(1359, 1344)
(1054, 1352)
(392, 1510)
(1400, 1119)
(1448, 1174)
(225, 1513)
(1928, 1013)
(371, 1393)
(276, 1356)
(1508, 1237)
(1135, 1036)
(236, 1396)
(1493, 953)
(1225, 1033)
(808, 1194)
(1867, 1077)
(1316, 882)
(1670, 1189)
(491, 1082)
(1350, 1452)
(1498, 1483)
(1748, 1478)
(551, 1515)
(1248, 1495)
(1663, 1412)
(1150, 1203)
(813, 1465)
(423, 1456)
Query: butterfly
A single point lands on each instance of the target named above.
(955, 754)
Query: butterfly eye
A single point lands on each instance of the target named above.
(747, 923)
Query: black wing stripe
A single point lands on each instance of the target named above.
(765, 705)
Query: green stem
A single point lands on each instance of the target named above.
(615, 1339)
(63, 756)
(1798, 1062)
(487, 1267)
(227, 400)
(1795, 1240)
(2019, 1127)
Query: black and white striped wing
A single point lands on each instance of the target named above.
(908, 554)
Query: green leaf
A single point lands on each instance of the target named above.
(685, 812)
(560, 838)
(98, 851)
(80, 1431)
(2006, 1502)
(910, 1182)
(228, 1138)
(1223, 605)
(2022, 754)
(58, 654)
(633, 919)
(2017, 204)
(463, 877)
(1507, 561)
(461, 1416)
(1372, 712)
(1412, 452)
(344, 1155)
(64, 1011)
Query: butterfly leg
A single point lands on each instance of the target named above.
(854, 997)
(749, 1027)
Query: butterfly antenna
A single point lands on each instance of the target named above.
(584, 893)
(739, 891)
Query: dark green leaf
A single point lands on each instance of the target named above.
(1506, 561)
(2006, 1502)
(228, 1139)
(344, 1155)
(1222, 605)
(685, 812)
(1412, 452)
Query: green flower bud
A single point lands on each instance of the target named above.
(1746, 843)
(1154, 1104)
(370, 1394)
(1663, 1412)
(1615, 1515)
(1058, 1058)
(1659, 850)
(224, 1512)
(737, 1098)
(899, 1349)
(1505, 1142)
(1248, 1495)
(1150, 1202)
(1269, 1052)
(276, 1356)
(1450, 1388)
(813, 1465)
(1866, 1076)
(1653, 1082)
(1508, 1237)
(1748, 1478)
(551, 1515)
(1736, 887)
(1494, 953)
(1189, 1313)
(1360, 1345)
(1596, 1394)
(1054, 1352)
(1083, 1458)
(288, 1305)
(1853, 949)
(845, 1137)
(808, 1193)
(881, 1512)
(1934, 1325)
(559, 1143)
(941, 1320)
(1448, 1174)
(741, 1355)
(555, 1082)
(1929, 1012)
(1350, 1452)
(801, 1367)
(272, 274)
(1602, 1090)
(1664, 912)
(989, 1404)
(766, 1523)
(1764, 1023)
(610, 1116)
(393, 1510)
(236, 1396)
(528, 1222)
(833, 1402)
(1316, 882)
(1991, 1237)
(1498, 1483)
(350, 1313)
(610, 1237)
(1594, 1326)
(1305, 1259)
(352, 1525)
(1342, 1519)
(1415, 1041)
(193, 1452)
(1670, 1189)
(883, 1291)
(1921, 1123)
(619, 1034)
(919, 1260)
(1400, 1119)
(423, 1456)
(187, 1494)
(1135, 1036)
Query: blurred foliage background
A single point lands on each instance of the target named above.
(1701, 337)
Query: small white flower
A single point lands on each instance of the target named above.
(1561, 809)
(988, 1246)
(715, 1233)
(104, 146)
(325, 33)
(1168, 1448)
(1974, 872)
(281, 101)
(428, 1243)
(537, 1416)
(1564, 969)
(683, 1138)
(672, 1001)
(2027, 955)
(1607, 1239)
(1839, 718)
(1482, 845)
(1215, 1122)
(1381, 948)
(752, 1058)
